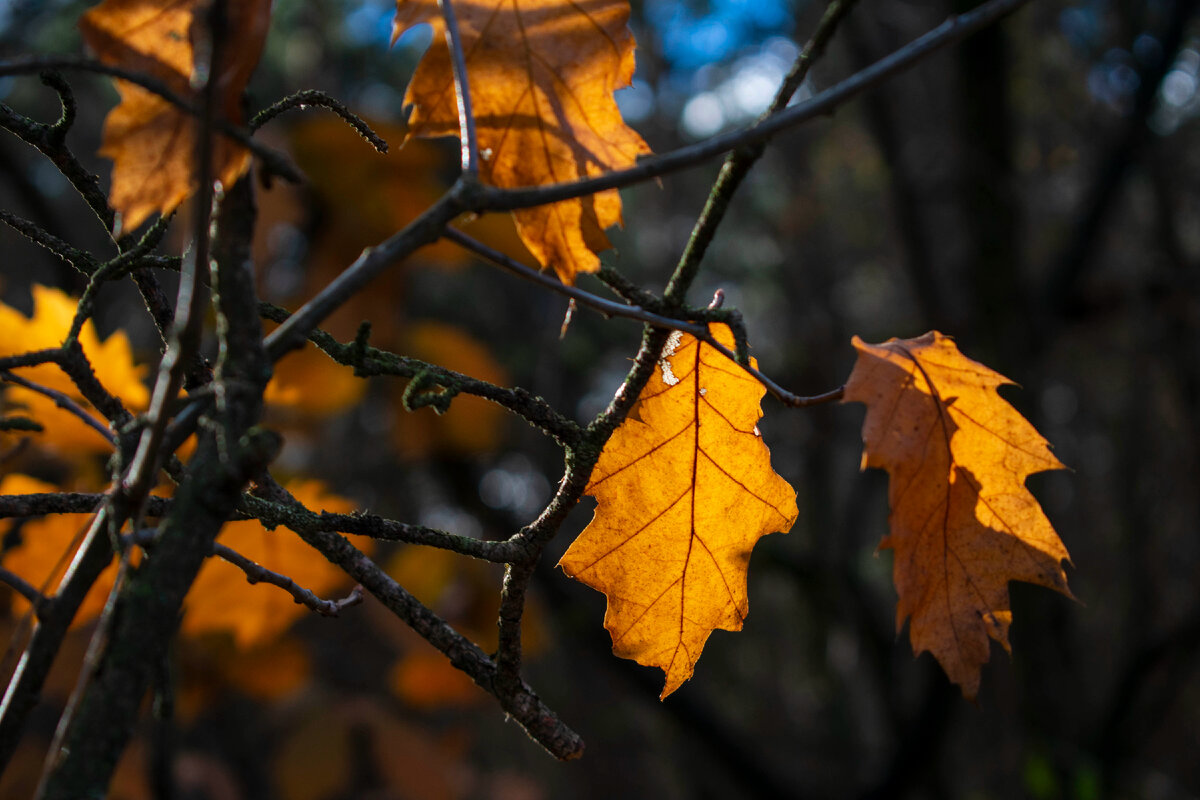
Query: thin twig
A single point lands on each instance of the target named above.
(606, 307)
(189, 304)
(425, 229)
(256, 573)
(462, 91)
(367, 360)
(521, 703)
(79, 259)
(294, 515)
(781, 394)
(315, 97)
(62, 401)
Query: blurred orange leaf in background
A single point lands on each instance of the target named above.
(472, 425)
(46, 549)
(310, 384)
(222, 599)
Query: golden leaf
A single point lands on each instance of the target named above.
(683, 495)
(151, 142)
(962, 523)
(541, 75)
(112, 361)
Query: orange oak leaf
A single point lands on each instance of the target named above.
(151, 142)
(541, 75)
(962, 522)
(684, 492)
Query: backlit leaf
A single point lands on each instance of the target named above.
(684, 493)
(542, 75)
(962, 523)
(152, 143)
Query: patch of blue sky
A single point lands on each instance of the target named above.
(690, 38)
(369, 23)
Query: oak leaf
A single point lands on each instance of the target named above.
(963, 524)
(684, 492)
(151, 142)
(541, 75)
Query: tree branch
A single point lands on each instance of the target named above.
(954, 29)
(315, 97)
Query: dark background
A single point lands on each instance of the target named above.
(1032, 192)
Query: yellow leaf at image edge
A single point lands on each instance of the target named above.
(683, 491)
(962, 522)
(112, 361)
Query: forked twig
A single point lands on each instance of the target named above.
(256, 573)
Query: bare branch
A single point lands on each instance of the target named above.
(739, 162)
(606, 307)
(425, 229)
(78, 259)
(33, 505)
(368, 360)
(297, 517)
